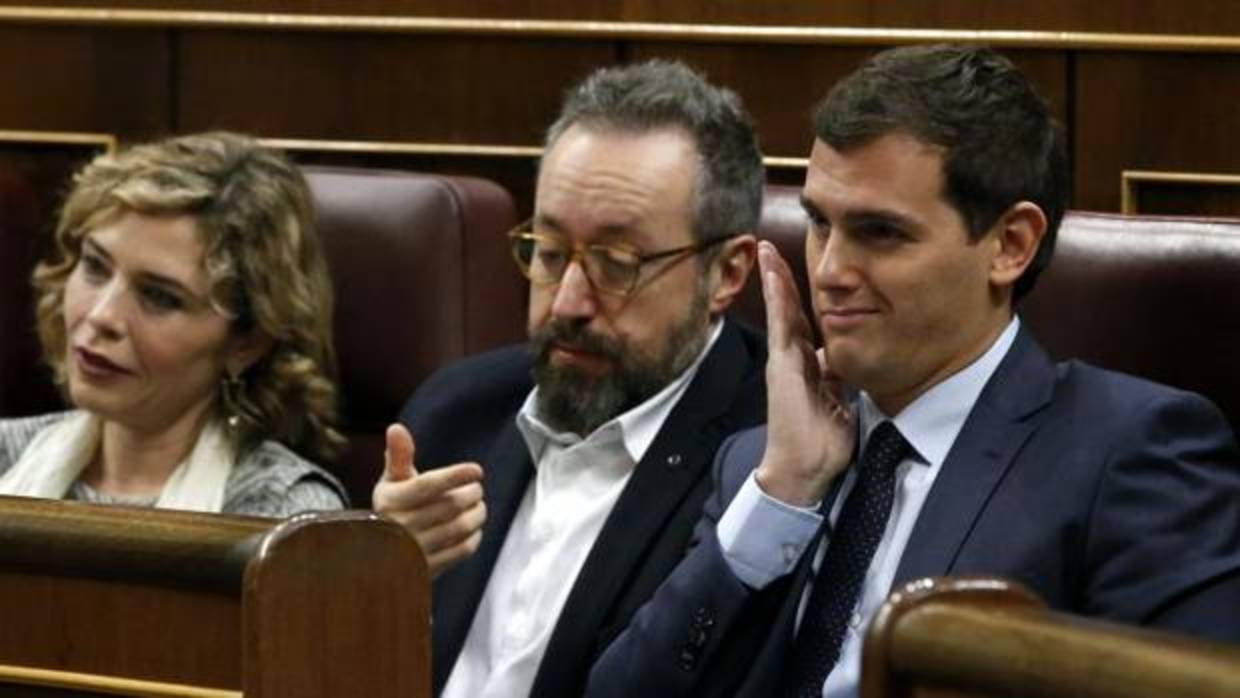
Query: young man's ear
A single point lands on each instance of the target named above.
(730, 270)
(1018, 235)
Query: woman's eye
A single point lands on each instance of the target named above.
(94, 266)
(161, 299)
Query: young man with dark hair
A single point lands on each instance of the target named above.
(935, 186)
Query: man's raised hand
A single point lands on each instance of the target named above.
(811, 428)
(443, 508)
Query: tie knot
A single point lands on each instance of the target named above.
(885, 449)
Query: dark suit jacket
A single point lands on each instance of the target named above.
(1105, 494)
(467, 412)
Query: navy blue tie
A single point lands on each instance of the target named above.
(837, 586)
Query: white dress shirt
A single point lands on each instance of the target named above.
(930, 424)
(576, 483)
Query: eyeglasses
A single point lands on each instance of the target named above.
(616, 268)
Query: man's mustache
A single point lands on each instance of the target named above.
(576, 335)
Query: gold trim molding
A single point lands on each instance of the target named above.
(106, 685)
(104, 141)
(577, 29)
(1130, 184)
(401, 148)
(449, 149)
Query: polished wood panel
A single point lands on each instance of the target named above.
(1180, 193)
(319, 605)
(1130, 101)
(778, 84)
(781, 84)
(1184, 199)
(85, 79)
(463, 90)
(978, 637)
(1152, 112)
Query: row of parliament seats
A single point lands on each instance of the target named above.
(423, 276)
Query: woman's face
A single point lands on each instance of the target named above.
(145, 347)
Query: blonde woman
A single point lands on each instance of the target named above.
(185, 309)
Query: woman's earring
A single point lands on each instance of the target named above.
(236, 407)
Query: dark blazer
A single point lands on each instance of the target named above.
(1105, 494)
(467, 412)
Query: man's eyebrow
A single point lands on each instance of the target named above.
(857, 219)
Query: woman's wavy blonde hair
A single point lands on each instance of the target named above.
(262, 258)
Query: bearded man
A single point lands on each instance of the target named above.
(560, 481)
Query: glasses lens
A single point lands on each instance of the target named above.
(545, 258)
(611, 269)
(522, 251)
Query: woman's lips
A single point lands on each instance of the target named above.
(95, 364)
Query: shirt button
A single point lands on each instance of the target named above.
(855, 621)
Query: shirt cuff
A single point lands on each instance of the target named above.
(762, 538)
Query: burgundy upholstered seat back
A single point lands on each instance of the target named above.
(422, 276)
(1158, 297)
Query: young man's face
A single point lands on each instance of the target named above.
(902, 296)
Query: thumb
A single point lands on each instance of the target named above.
(398, 455)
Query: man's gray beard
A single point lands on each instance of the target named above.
(574, 401)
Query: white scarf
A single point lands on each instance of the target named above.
(57, 455)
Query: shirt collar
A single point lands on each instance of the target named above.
(931, 422)
(637, 427)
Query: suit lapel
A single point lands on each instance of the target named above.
(998, 426)
(675, 463)
(458, 591)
